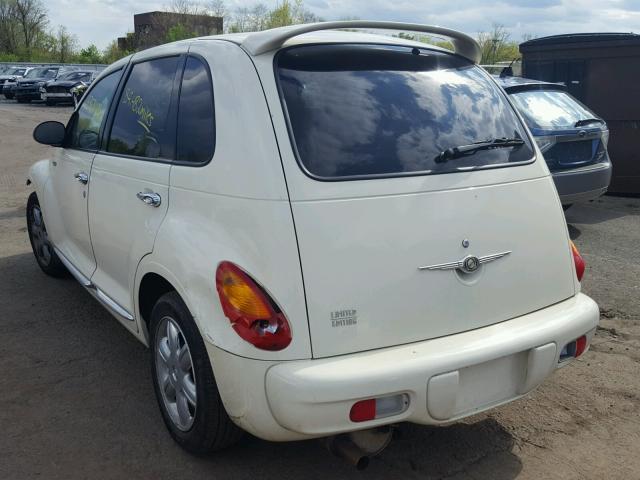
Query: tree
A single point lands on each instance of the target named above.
(91, 54)
(496, 46)
(66, 44)
(186, 7)
(112, 53)
(281, 16)
(218, 8)
(290, 13)
(9, 38)
(259, 17)
(31, 16)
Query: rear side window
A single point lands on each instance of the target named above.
(373, 110)
(196, 124)
(85, 129)
(550, 109)
(143, 125)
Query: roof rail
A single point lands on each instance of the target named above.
(267, 40)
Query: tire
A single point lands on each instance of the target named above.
(8, 96)
(50, 103)
(42, 248)
(23, 100)
(204, 426)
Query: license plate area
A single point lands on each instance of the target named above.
(476, 387)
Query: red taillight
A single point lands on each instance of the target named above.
(253, 315)
(578, 260)
(574, 349)
(379, 407)
(581, 346)
(363, 410)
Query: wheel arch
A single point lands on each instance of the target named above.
(152, 281)
(38, 176)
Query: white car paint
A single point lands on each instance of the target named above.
(325, 247)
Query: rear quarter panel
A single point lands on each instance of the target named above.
(235, 208)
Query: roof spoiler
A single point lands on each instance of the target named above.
(267, 40)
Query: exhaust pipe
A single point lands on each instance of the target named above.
(341, 446)
(358, 447)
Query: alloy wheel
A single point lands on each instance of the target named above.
(175, 375)
(39, 238)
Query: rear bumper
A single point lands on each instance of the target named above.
(446, 378)
(583, 184)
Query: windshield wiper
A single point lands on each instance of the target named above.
(464, 150)
(587, 121)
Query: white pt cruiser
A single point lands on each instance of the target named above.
(317, 233)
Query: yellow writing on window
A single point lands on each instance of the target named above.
(145, 116)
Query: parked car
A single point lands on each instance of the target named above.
(8, 80)
(317, 235)
(28, 88)
(572, 138)
(63, 88)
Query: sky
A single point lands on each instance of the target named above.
(101, 21)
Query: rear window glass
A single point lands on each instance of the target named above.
(550, 109)
(372, 110)
(196, 125)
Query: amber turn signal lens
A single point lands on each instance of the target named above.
(252, 313)
(241, 295)
(578, 261)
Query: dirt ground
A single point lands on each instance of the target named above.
(76, 400)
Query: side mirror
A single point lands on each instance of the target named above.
(49, 133)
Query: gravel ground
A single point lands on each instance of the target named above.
(76, 399)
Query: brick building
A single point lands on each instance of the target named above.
(151, 28)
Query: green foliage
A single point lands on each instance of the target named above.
(259, 17)
(91, 54)
(496, 46)
(9, 57)
(281, 16)
(179, 32)
(112, 53)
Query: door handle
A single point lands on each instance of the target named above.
(150, 198)
(82, 177)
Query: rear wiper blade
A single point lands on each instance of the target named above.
(587, 121)
(464, 150)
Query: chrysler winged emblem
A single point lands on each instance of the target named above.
(468, 264)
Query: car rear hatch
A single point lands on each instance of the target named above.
(568, 150)
(383, 228)
(567, 132)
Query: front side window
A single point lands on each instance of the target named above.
(143, 125)
(85, 125)
(550, 109)
(196, 125)
(375, 110)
